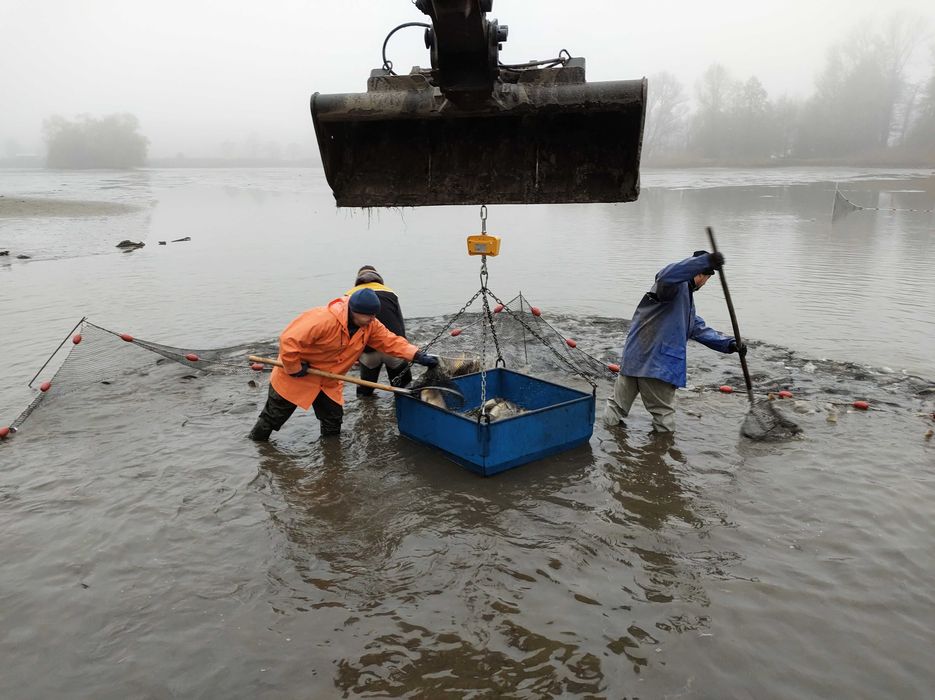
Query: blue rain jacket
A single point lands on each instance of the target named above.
(664, 321)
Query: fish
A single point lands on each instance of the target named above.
(457, 366)
(434, 397)
(498, 409)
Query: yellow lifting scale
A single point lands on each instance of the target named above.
(481, 243)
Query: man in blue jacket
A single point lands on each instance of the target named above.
(653, 359)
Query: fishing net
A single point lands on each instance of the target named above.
(843, 206)
(436, 387)
(766, 423)
(513, 334)
(96, 355)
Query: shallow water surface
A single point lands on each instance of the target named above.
(150, 550)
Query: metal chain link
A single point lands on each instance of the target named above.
(453, 319)
(484, 292)
(542, 340)
(483, 363)
(488, 315)
(440, 333)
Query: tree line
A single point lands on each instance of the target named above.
(863, 107)
(111, 141)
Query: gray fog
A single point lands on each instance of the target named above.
(211, 78)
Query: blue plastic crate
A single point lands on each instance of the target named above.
(556, 419)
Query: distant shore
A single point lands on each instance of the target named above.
(38, 162)
(29, 207)
(880, 159)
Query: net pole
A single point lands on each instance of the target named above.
(522, 311)
(64, 340)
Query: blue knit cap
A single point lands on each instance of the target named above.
(365, 301)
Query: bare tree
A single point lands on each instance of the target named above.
(112, 141)
(749, 118)
(709, 130)
(857, 99)
(666, 107)
(922, 132)
(902, 35)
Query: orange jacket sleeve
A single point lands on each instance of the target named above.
(385, 341)
(296, 341)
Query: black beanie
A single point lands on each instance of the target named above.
(368, 273)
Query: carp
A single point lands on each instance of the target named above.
(499, 409)
(433, 396)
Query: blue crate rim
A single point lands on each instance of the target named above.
(584, 397)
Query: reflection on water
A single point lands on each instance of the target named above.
(447, 585)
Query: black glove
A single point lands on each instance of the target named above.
(716, 260)
(742, 348)
(302, 372)
(424, 359)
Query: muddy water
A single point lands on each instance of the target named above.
(151, 551)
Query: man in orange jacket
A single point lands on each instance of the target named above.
(329, 338)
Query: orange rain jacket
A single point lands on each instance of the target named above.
(321, 338)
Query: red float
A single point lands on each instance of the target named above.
(76, 338)
(4, 432)
(726, 389)
(256, 367)
(614, 367)
(127, 337)
(535, 311)
(192, 357)
(862, 405)
(570, 343)
(784, 394)
(498, 308)
(455, 332)
(45, 386)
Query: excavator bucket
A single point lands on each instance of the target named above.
(549, 139)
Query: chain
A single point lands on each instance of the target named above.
(542, 340)
(453, 319)
(483, 363)
(488, 315)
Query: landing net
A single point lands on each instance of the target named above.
(765, 423)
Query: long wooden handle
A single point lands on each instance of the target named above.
(332, 375)
(733, 320)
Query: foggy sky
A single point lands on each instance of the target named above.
(200, 72)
